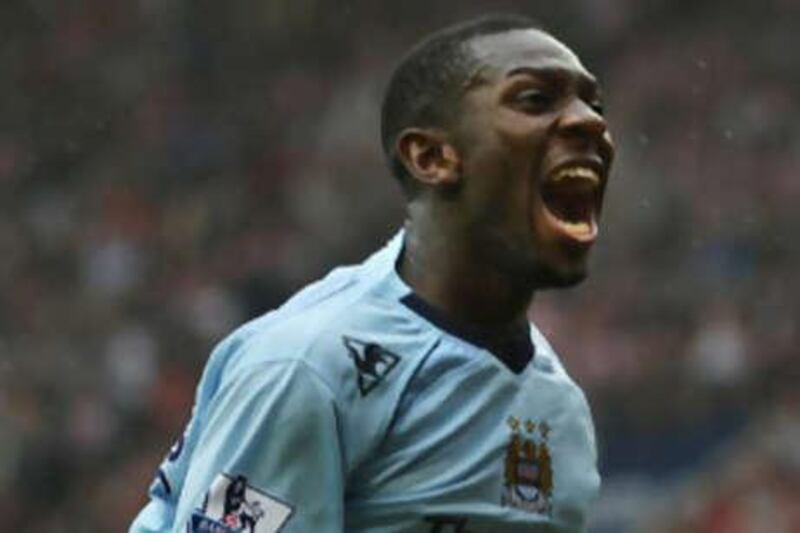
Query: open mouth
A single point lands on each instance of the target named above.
(571, 198)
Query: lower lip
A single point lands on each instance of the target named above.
(580, 235)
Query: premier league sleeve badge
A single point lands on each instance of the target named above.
(233, 506)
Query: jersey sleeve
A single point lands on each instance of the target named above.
(268, 456)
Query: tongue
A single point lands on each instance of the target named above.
(570, 206)
(572, 213)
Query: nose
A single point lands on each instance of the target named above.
(579, 119)
(584, 126)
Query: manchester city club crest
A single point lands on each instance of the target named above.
(528, 467)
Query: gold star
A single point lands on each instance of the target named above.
(513, 423)
(544, 428)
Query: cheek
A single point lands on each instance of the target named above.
(502, 170)
(525, 140)
(512, 198)
(524, 154)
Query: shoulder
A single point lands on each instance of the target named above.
(357, 321)
(546, 358)
(349, 337)
(547, 361)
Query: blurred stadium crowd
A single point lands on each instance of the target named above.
(169, 169)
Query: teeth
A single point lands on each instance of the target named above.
(584, 173)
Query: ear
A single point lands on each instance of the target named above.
(428, 156)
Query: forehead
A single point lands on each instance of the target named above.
(500, 54)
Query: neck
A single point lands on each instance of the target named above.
(453, 274)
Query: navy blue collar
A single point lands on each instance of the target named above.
(515, 349)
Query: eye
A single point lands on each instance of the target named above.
(533, 100)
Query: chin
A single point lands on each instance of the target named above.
(559, 277)
(563, 282)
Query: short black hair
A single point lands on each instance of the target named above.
(424, 88)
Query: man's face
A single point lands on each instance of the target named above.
(535, 156)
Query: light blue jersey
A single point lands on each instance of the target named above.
(351, 408)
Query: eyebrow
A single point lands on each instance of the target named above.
(559, 72)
